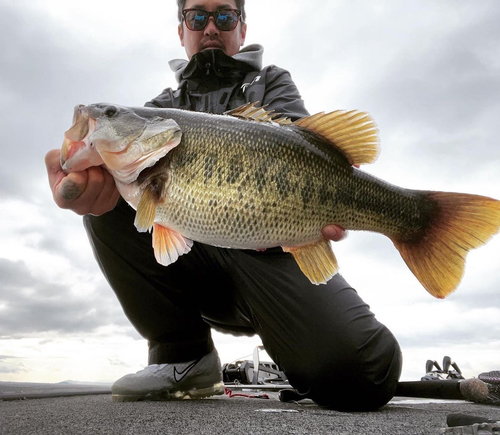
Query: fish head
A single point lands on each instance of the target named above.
(117, 137)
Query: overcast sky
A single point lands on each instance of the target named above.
(427, 71)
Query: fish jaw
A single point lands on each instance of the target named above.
(78, 152)
(78, 156)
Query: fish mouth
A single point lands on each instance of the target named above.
(76, 139)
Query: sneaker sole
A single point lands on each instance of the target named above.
(194, 393)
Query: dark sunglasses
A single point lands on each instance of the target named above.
(225, 19)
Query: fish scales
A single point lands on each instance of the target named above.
(259, 185)
(244, 181)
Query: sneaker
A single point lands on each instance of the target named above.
(189, 380)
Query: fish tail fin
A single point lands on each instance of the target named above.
(463, 222)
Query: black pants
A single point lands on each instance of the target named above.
(324, 337)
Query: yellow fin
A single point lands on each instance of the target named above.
(464, 222)
(153, 194)
(250, 111)
(316, 261)
(169, 244)
(146, 210)
(353, 132)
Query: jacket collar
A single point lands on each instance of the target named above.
(217, 62)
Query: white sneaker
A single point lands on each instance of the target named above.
(189, 380)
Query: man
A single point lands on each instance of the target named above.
(326, 340)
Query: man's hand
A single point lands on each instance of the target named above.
(92, 191)
(334, 233)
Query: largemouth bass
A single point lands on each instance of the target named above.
(249, 179)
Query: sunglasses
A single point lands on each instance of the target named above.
(225, 19)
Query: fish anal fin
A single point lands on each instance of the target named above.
(463, 222)
(260, 114)
(168, 244)
(317, 261)
(146, 209)
(353, 132)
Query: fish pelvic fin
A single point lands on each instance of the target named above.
(168, 244)
(353, 132)
(464, 222)
(317, 261)
(146, 209)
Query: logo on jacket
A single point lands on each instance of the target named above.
(244, 86)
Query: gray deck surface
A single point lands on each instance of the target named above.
(98, 414)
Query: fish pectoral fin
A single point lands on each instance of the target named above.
(154, 193)
(316, 261)
(353, 132)
(146, 210)
(168, 244)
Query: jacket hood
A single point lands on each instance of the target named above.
(251, 55)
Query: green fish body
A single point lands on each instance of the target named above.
(248, 180)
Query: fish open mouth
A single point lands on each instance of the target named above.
(76, 139)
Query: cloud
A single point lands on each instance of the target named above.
(11, 365)
(44, 76)
(31, 306)
(13, 369)
(427, 71)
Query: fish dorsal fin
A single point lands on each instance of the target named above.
(250, 111)
(353, 132)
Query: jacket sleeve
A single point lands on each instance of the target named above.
(282, 95)
(162, 100)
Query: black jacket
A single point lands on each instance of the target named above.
(214, 82)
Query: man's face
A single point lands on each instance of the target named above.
(211, 37)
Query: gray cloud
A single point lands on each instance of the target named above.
(427, 71)
(44, 77)
(455, 334)
(13, 369)
(33, 307)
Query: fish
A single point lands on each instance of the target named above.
(253, 179)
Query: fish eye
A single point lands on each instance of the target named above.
(110, 111)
